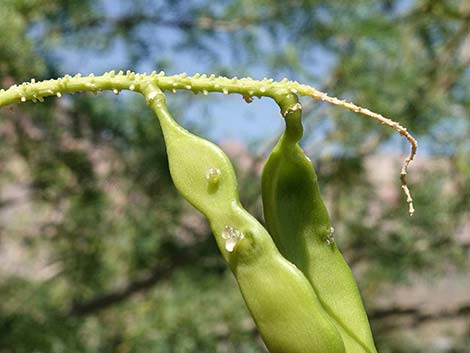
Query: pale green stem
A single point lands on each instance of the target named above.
(247, 87)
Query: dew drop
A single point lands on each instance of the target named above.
(115, 91)
(152, 96)
(231, 236)
(58, 94)
(23, 99)
(330, 239)
(132, 87)
(213, 175)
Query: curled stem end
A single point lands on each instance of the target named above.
(313, 93)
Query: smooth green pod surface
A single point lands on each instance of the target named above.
(282, 302)
(298, 221)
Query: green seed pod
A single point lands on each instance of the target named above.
(282, 302)
(298, 221)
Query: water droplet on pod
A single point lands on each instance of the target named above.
(231, 236)
(330, 239)
(152, 96)
(213, 175)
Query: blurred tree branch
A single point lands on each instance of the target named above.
(160, 272)
(127, 23)
(145, 282)
(416, 316)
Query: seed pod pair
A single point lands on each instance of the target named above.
(298, 221)
(281, 300)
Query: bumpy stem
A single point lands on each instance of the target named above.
(247, 87)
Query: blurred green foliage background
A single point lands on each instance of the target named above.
(98, 253)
